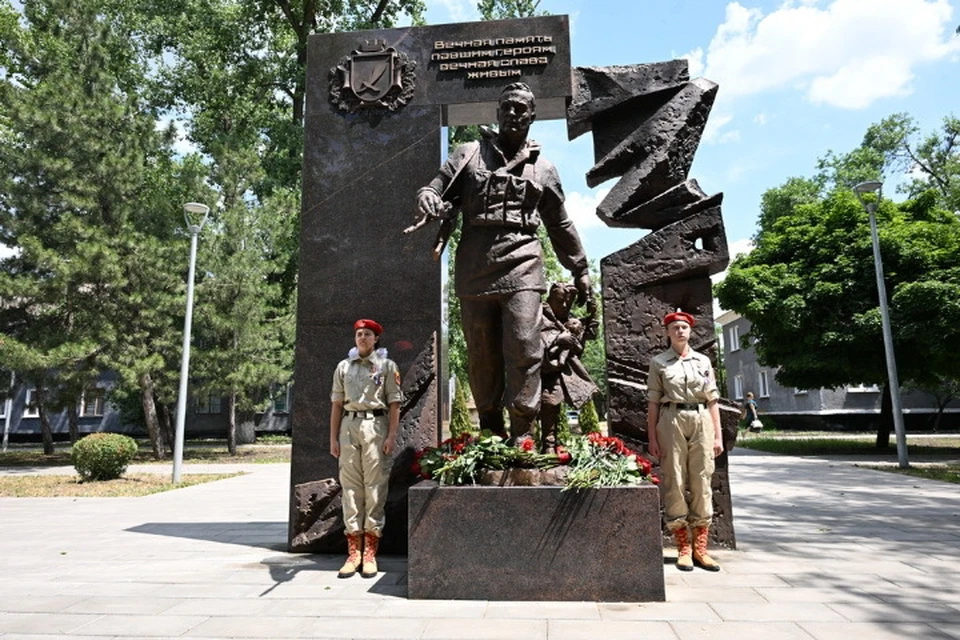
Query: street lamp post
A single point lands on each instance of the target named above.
(893, 383)
(199, 213)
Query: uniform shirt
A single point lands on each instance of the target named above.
(365, 384)
(503, 203)
(688, 379)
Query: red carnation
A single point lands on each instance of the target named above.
(645, 466)
(563, 456)
(528, 444)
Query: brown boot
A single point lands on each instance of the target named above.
(370, 543)
(681, 537)
(700, 557)
(354, 540)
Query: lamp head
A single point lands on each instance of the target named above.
(195, 215)
(868, 187)
(871, 186)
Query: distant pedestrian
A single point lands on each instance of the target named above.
(751, 415)
(364, 420)
(683, 427)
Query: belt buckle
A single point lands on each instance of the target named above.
(367, 414)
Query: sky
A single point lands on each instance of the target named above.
(797, 79)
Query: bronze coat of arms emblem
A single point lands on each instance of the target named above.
(373, 76)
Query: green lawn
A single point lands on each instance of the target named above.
(130, 485)
(276, 449)
(817, 445)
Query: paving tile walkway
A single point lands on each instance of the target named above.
(826, 550)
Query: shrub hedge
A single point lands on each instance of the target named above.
(103, 456)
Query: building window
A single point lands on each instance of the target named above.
(734, 338)
(209, 403)
(738, 387)
(764, 385)
(91, 403)
(863, 388)
(30, 408)
(281, 399)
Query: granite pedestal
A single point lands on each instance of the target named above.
(535, 543)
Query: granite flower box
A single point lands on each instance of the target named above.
(534, 543)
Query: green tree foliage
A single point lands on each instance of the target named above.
(505, 9)
(809, 287)
(77, 187)
(245, 339)
(932, 161)
(235, 71)
(460, 414)
(240, 66)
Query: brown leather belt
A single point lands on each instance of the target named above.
(369, 413)
(686, 406)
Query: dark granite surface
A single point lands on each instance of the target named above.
(598, 90)
(535, 543)
(360, 178)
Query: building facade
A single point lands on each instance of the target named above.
(206, 416)
(847, 408)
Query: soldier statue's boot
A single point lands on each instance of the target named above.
(354, 540)
(371, 542)
(492, 421)
(701, 535)
(681, 537)
(520, 427)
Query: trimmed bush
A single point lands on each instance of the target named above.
(589, 420)
(103, 456)
(460, 418)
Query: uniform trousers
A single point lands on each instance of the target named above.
(502, 332)
(686, 464)
(364, 473)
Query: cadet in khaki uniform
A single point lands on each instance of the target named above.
(363, 432)
(683, 426)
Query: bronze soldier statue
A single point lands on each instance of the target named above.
(504, 188)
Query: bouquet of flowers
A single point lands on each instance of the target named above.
(462, 459)
(594, 460)
(605, 461)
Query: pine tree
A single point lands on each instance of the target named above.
(589, 421)
(245, 325)
(76, 185)
(460, 414)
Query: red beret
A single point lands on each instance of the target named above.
(364, 323)
(679, 315)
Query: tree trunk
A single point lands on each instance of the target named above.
(45, 431)
(886, 419)
(232, 423)
(150, 416)
(74, 421)
(166, 422)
